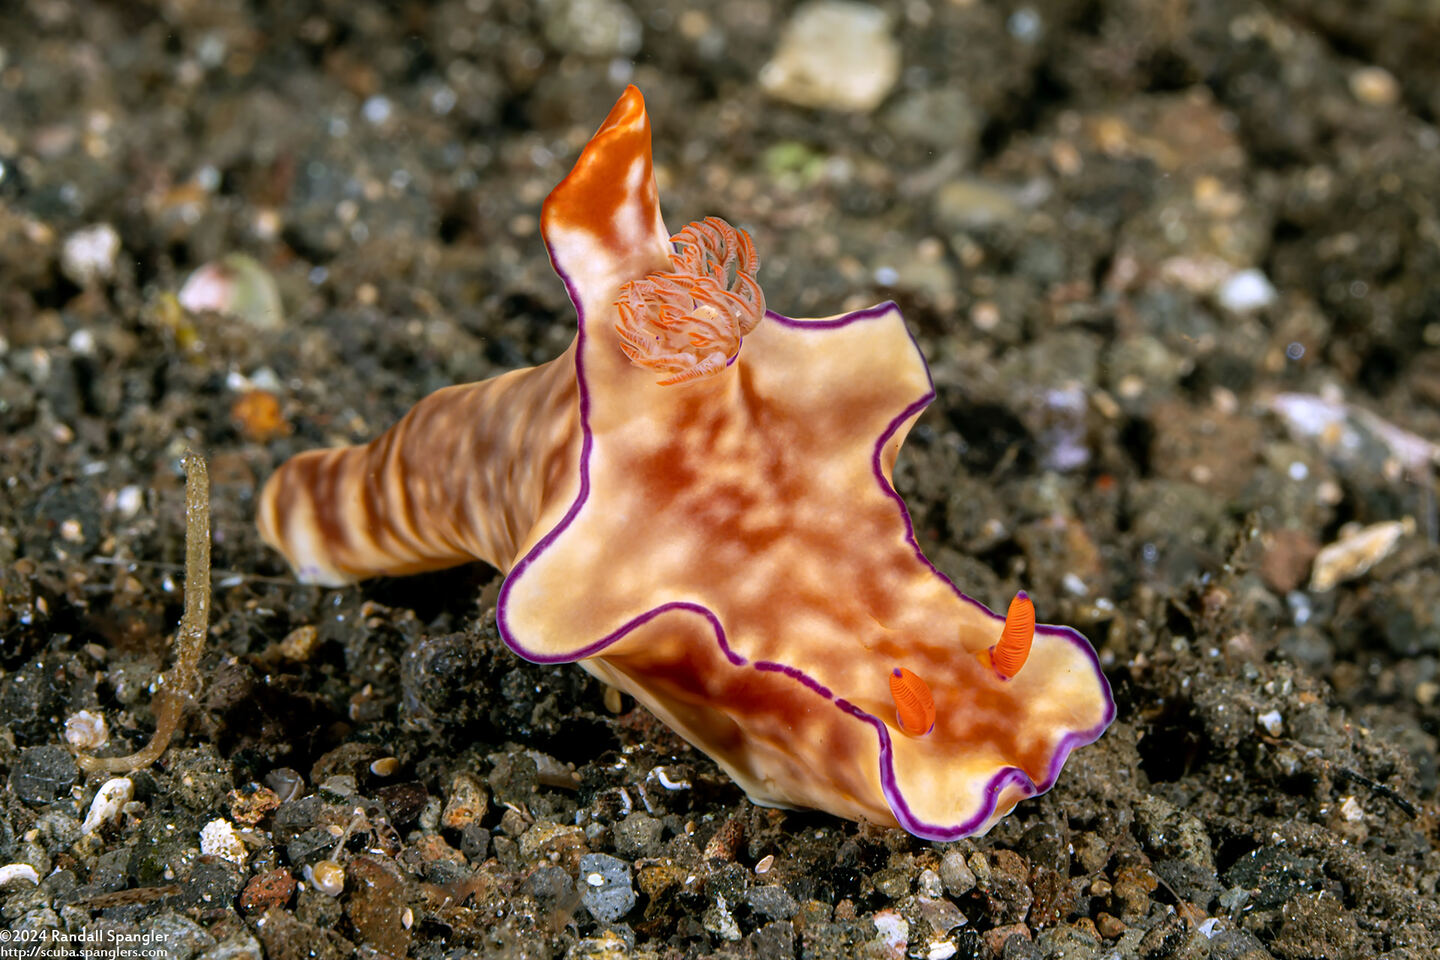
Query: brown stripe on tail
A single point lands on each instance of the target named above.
(462, 477)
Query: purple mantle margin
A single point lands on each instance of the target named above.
(1007, 776)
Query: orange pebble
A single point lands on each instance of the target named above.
(257, 414)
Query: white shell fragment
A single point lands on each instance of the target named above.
(12, 872)
(1345, 431)
(87, 731)
(218, 838)
(236, 286)
(109, 800)
(1351, 556)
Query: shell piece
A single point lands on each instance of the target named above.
(109, 800)
(10, 873)
(87, 731)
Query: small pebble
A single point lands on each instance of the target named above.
(1427, 692)
(607, 892)
(1272, 722)
(1351, 810)
(771, 901)
(299, 644)
(1375, 86)
(1109, 926)
(467, 802)
(956, 874)
(930, 884)
(128, 501)
(43, 774)
(1245, 291)
(592, 28)
(836, 55)
(89, 255)
(894, 932)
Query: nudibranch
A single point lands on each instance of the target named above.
(710, 525)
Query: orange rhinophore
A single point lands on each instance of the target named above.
(914, 705)
(716, 550)
(688, 322)
(1013, 649)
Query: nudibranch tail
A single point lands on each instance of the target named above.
(688, 322)
(1008, 656)
(914, 704)
(412, 499)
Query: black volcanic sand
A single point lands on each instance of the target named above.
(1057, 194)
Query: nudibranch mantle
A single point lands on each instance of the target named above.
(729, 549)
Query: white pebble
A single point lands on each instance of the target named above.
(109, 800)
(90, 254)
(1246, 290)
(377, 110)
(1351, 810)
(218, 838)
(894, 931)
(1375, 86)
(1272, 722)
(836, 55)
(82, 342)
(129, 500)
